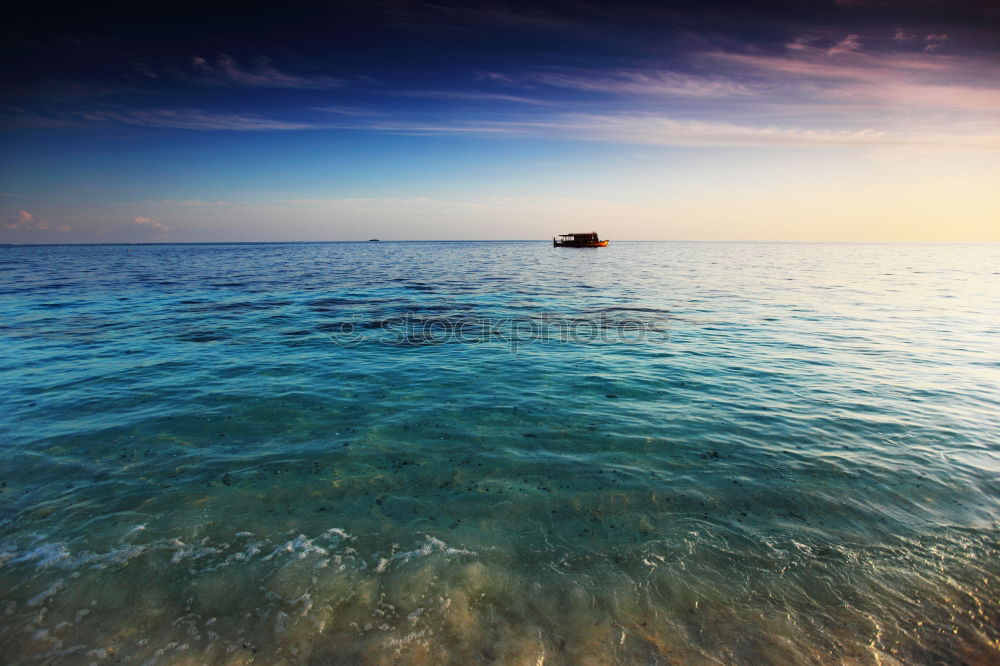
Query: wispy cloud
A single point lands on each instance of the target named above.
(821, 90)
(471, 96)
(655, 83)
(807, 63)
(149, 223)
(800, 43)
(226, 71)
(145, 70)
(849, 44)
(661, 130)
(193, 119)
(25, 221)
(834, 79)
(902, 36)
(349, 110)
(935, 42)
(910, 82)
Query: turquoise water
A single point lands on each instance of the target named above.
(500, 452)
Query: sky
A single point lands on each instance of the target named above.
(813, 120)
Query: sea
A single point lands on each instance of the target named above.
(500, 452)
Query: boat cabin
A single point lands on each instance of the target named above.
(581, 239)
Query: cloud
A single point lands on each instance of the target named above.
(495, 77)
(652, 129)
(934, 42)
(660, 130)
(800, 43)
(817, 91)
(657, 83)
(25, 221)
(193, 119)
(902, 36)
(348, 110)
(149, 223)
(226, 71)
(470, 95)
(849, 44)
(805, 83)
(919, 83)
(145, 70)
(813, 63)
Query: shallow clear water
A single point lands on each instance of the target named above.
(473, 452)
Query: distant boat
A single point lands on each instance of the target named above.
(588, 239)
(373, 240)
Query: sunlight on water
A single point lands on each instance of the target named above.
(459, 453)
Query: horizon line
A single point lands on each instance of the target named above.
(508, 240)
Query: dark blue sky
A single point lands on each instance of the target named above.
(441, 119)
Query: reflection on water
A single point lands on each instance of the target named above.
(797, 461)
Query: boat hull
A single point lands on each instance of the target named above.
(602, 243)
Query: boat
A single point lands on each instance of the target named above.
(588, 239)
(373, 240)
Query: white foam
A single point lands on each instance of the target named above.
(281, 622)
(247, 554)
(40, 598)
(122, 555)
(301, 546)
(191, 552)
(431, 545)
(336, 531)
(44, 556)
(400, 643)
(306, 601)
